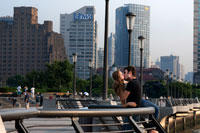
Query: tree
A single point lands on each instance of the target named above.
(16, 81)
(155, 89)
(82, 85)
(59, 74)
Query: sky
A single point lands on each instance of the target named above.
(171, 22)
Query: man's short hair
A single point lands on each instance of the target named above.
(132, 69)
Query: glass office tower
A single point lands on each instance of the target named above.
(141, 27)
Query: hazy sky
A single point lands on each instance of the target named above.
(171, 28)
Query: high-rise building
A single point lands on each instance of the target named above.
(182, 72)
(26, 45)
(111, 49)
(79, 30)
(100, 57)
(171, 63)
(196, 43)
(189, 77)
(141, 27)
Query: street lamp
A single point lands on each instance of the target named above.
(167, 74)
(141, 46)
(74, 80)
(174, 86)
(105, 64)
(171, 79)
(130, 20)
(90, 66)
(178, 88)
(182, 89)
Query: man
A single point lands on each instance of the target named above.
(132, 92)
(19, 91)
(33, 92)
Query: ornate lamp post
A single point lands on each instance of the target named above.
(171, 80)
(167, 76)
(74, 80)
(90, 66)
(174, 86)
(105, 64)
(141, 46)
(182, 89)
(130, 20)
(178, 88)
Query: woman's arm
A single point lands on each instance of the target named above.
(124, 95)
(124, 104)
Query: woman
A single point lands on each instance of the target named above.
(119, 87)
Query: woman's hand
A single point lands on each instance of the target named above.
(132, 104)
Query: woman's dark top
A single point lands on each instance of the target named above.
(135, 92)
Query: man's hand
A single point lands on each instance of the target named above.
(132, 104)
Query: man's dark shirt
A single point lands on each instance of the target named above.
(135, 92)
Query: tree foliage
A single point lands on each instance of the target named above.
(59, 74)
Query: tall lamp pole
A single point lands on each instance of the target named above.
(130, 19)
(182, 89)
(90, 66)
(178, 88)
(74, 80)
(171, 78)
(105, 64)
(174, 86)
(141, 46)
(167, 74)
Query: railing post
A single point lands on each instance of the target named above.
(194, 118)
(167, 124)
(184, 123)
(174, 121)
(20, 127)
(76, 125)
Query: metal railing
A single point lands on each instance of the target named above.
(19, 114)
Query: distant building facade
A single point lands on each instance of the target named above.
(189, 77)
(111, 49)
(182, 72)
(100, 57)
(79, 30)
(196, 42)
(26, 45)
(171, 63)
(141, 27)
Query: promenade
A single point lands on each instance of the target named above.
(44, 125)
(60, 115)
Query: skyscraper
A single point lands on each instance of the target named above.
(171, 63)
(111, 49)
(196, 43)
(79, 30)
(26, 45)
(100, 57)
(141, 27)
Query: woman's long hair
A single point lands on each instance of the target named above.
(118, 85)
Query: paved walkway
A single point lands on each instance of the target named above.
(44, 125)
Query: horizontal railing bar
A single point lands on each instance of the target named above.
(15, 114)
(114, 124)
(9, 131)
(124, 131)
(152, 128)
(140, 122)
(54, 125)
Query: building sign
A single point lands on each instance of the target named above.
(79, 16)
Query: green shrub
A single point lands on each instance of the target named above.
(8, 89)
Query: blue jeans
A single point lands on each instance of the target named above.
(147, 103)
